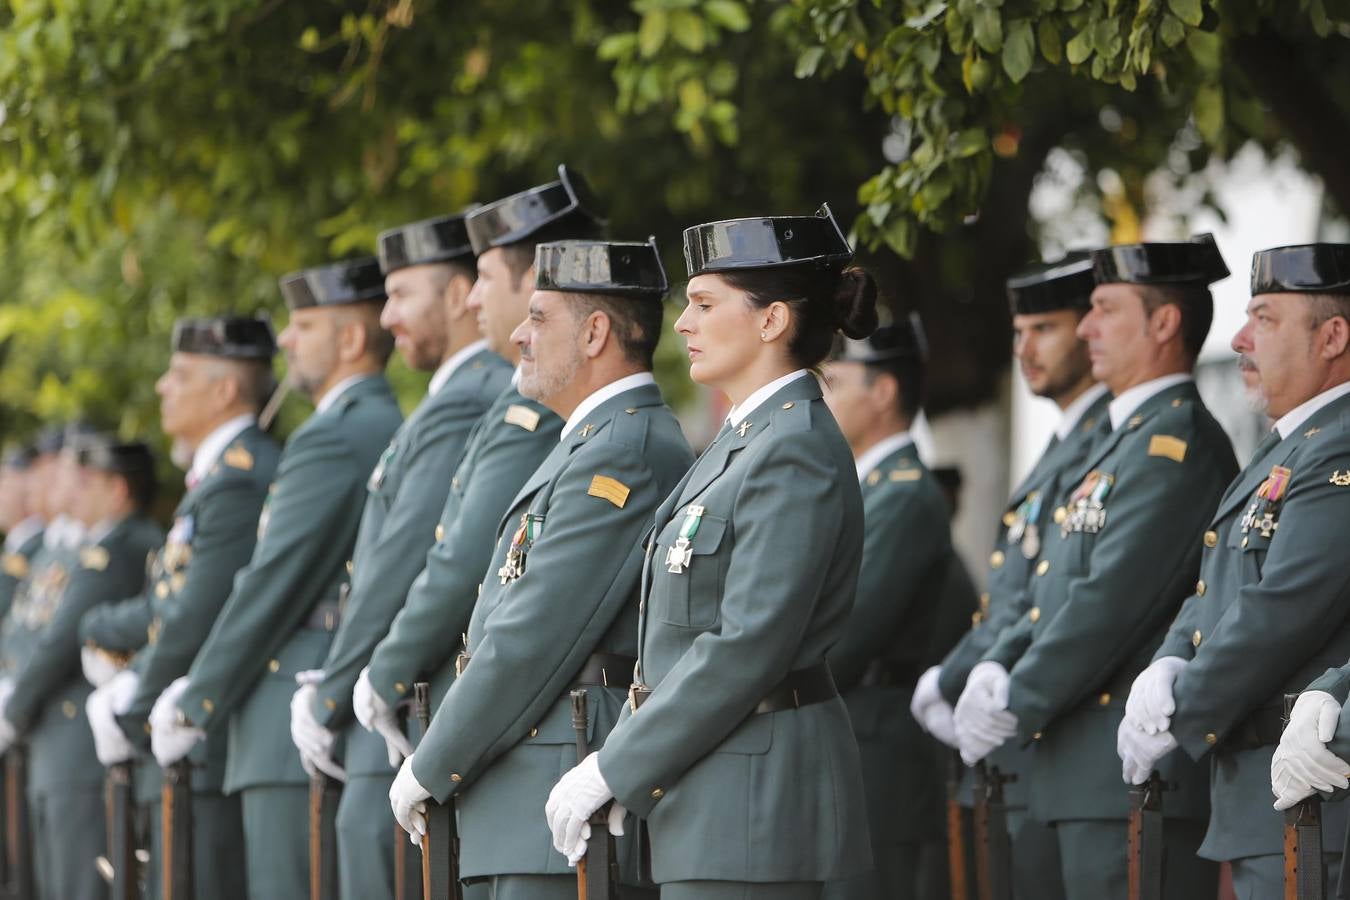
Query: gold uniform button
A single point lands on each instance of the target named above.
(1036, 736)
(274, 665)
(984, 601)
(1060, 515)
(68, 709)
(330, 703)
(208, 706)
(1034, 615)
(161, 590)
(1176, 403)
(456, 777)
(657, 793)
(1009, 517)
(1200, 588)
(400, 687)
(1196, 638)
(1211, 539)
(440, 533)
(349, 567)
(145, 727)
(996, 559)
(789, 405)
(534, 732)
(1211, 739)
(1104, 700)
(1042, 567)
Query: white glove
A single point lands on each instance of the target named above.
(98, 668)
(169, 740)
(314, 742)
(7, 731)
(940, 722)
(576, 796)
(1140, 751)
(1150, 704)
(1302, 764)
(925, 694)
(103, 707)
(982, 720)
(408, 799)
(375, 715)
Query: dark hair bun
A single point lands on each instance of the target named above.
(855, 301)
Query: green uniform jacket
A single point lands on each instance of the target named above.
(1101, 602)
(407, 492)
(507, 445)
(50, 690)
(14, 568)
(273, 625)
(728, 794)
(212, 538)
(907, 551)
(1277, 595)
(1024, 527)
(503, 734)
(36, 599)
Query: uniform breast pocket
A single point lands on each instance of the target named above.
(1251, 548)
(687, 584)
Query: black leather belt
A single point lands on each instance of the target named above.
(607, 670)
(800, 688)
(889, 673)
(1260, 729)
(324, 617)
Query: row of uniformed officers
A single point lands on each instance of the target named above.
(750, 629)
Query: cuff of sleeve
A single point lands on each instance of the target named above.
(327, 710)
(637, 799)
(441, 783)
(951, 682)
(136, 727)
(1335, 682)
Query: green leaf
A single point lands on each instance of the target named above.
(1019, 50)
(969, 142)
(617, 46)
(1080, 46)
(1171, 31)
(900, 235)
(309, 38)
(988, 29)
(688, 30)
(1052, 48)
(1208, 112)
(727, 14)
(652, 32)
(809, 61)
(1188, 11)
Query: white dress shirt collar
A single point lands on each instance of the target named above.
(1288, 423)
(1131, 399)
(873, 455)
(1073, 413)
(209, 450)
(447, 368)
(737, 414)
(613, 389)
(22, 532)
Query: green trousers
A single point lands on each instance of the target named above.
(1258, 877)
(68, 836)
(741, 890)
(1094, 862)
(541, 887)
(893, 876)
(365, 839)
(276, 841)
(218, 866)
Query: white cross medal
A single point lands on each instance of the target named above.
(681, 555)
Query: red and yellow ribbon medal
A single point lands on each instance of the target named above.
(681, 555)
(521, 541)
(1272, 492)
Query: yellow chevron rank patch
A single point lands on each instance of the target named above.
(607, 488)
(238, 458)
(95, 558)
(1165, 445)
(905, 475)
(522, 416)
(15, 565)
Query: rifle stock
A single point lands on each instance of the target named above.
(120, 867)
(1144, 840)
(18, 847)
(956, 844)
(600, 860)
(176, 825)
(323, 799)
(1303, 875)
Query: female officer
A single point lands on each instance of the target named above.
(736, 747)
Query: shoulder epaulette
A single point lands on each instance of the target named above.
(793, 415)
(629, 427)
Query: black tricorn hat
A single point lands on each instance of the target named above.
(766, 242)
(50, 440)
(513, 219)
(903, 340)
(1302, 269)
(438, 240)
(627, 268)
(1066, 284)
(1195, 262)
(107, 454)
(349, 281)
(233, 337)
(20, 457)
